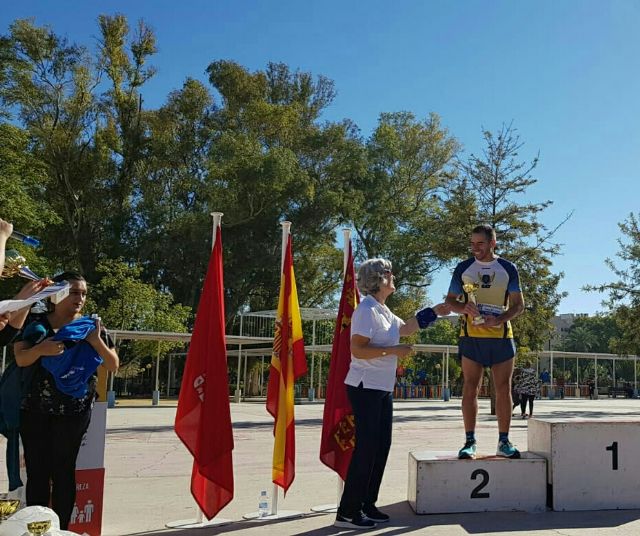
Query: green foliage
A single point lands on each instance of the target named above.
(441, 332)
(23, 199)
(624, 293)
(23, 186)
(87, 135)
(125, 302)
(399, 195)
(271, 161)
(596, 334)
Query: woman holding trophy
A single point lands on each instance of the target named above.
(55, 413)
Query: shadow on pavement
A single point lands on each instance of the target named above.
(404, 521)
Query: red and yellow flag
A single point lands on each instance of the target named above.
(288, 362)
(338, 427)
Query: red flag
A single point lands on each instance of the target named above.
(203, 418)
(288, 362)
(338, 426)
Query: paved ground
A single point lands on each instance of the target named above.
(148, 471)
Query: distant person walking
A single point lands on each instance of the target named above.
(545, 377)
(592, 388)
(527, 387)
(560, 384)
(515, 396)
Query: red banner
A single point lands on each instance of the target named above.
(338, 427)
(86, 516)
(203, 417)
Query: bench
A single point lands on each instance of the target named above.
(626, 392)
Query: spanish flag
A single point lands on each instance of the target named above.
(288, 362)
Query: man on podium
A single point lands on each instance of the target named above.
(486, 290)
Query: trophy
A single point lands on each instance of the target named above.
(38, 528)
(471, 289)
(8, 507)
(15, 264)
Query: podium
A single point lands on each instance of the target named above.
(591, 464)
(439, 483)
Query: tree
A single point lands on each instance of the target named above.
(123, 57)
(496, 179)
(173, 226)
(398, 197)
(47, 83)
(442, 332)
(598, 333)
(88, 142)
(270, 160)
(23, 197)
(624, 293)
(126, 303)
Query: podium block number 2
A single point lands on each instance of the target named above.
(614, 455)
(475, 493)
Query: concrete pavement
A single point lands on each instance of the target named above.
(148, 472)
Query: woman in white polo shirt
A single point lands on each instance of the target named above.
(375, 349)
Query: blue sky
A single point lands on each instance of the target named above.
(565, 72)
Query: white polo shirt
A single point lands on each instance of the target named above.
(375, 321)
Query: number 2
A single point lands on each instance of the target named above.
(475, 494)
(614, 455)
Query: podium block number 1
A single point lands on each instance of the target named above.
(475, 493)
(614, 455)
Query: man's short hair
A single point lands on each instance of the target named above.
(486, 229)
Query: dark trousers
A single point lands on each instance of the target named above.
(51, 444)
(523, 403)
(373, 413)
(515, 398)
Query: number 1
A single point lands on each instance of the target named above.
(614, 455)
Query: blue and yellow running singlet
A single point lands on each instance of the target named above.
(496, 279)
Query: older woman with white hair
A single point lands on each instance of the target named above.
(375, 349)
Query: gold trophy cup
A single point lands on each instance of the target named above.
(8, 507)
(15, 264)
(471, 289)
(38, 528)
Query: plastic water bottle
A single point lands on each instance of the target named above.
(263, 504)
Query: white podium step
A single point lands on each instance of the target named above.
(591, 464)
(439, 483)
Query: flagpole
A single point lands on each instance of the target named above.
(346, 233)
(111, 394)
(286, 230)
(273, 512)
(201, 522)
(332, 508)
(217, 218)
